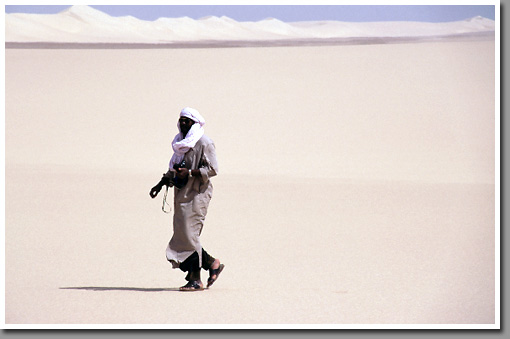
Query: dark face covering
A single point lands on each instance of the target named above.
(185, 125)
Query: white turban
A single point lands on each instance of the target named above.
(192, 114)
(182, 145)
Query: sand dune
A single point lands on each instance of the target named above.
(84, 24)
(356, 185)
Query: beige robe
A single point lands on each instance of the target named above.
(191, 202)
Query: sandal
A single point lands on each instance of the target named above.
(193, 285)
(214, 272)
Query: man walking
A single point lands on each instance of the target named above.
(190, 169)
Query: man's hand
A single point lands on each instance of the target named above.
(182, 173)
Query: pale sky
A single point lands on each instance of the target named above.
(287, 13)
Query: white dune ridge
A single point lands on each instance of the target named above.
(84, 24)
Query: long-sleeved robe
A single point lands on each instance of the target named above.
(191, 203)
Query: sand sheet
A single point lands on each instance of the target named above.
(356, 184)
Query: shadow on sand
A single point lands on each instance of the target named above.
(136, 289)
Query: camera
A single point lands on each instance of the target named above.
(179, 183)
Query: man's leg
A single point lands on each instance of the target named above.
(207, 260)
(191, 266)
(212, 265)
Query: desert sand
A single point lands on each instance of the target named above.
(356, 185)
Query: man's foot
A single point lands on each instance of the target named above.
(193, 285)
(214, 272)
